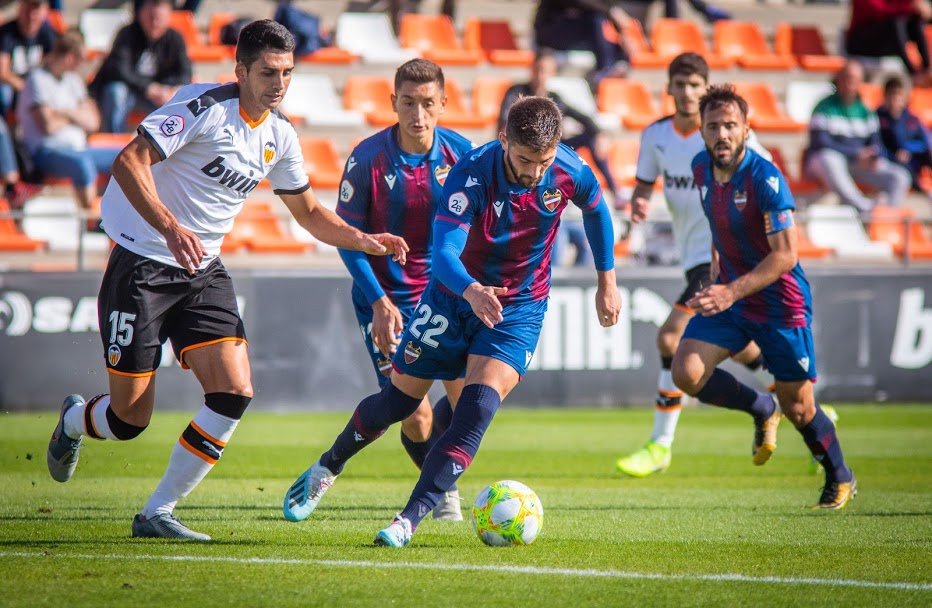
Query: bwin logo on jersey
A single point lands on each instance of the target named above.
(234, 180)
(677, 182)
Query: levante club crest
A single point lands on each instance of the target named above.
(741, 199)
(412, 353)
(551, 198)
(441, 173)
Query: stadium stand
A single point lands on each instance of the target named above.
(322, 162)
(744, 43)
(435, 38)
(100, 26)
(804, 43)
(765, 112)
(628, 99)
(198, 49)
(898, 226)
(839, 227)
(487, 95)
(12, 238)
(371, 37)
(370, 95)
(312, 100)
(496, 40)
(670, 37)
(259, 229)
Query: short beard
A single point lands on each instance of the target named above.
(739, 152)
(514, 172)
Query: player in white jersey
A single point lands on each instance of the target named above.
(667, 150)
(175, 191)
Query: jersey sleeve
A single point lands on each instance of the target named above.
(775, 200)
(464, 196)
(171, 127)
(588, 193)
(647, 170)
(287, 175)
(356, 190)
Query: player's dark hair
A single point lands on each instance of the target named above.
(261, 36)
(687, 64)
(720, 95)
(894, 83)
(534, 122)
(69, 43)
(419, 71)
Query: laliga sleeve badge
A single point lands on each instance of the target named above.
(412, 352)
(346, 191)
(113, 355)
(458, 203)
(173, 125)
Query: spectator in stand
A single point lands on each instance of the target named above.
(590, 137)
(567, 25)
(9, 170)
(23, 43)
(905, 140)
(56, 115)
(147, 64)
(844, 146)
(881, 28)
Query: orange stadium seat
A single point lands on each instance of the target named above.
(496, 40)
(198, 50)
(670, 37)
(636, 42)
(805, 248)
(259, 229)
(215, 25)
(457, 114)
(12, 238)
(798, 184)
(765, 112)
(371, 95)
(109, 140)
(897, 225)
(804, 42)
(920, 102)
(623, 159)
(57, 21)
(586, 155)
(630, 100)
(488, 92)
(435, 36)
(321, 162)
(744, 42)
(871, 95)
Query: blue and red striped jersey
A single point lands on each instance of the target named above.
(756, 202)
(511, 228)
(380, 192)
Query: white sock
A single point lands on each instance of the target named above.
(665, 418)
(76, 419)
(197, 451)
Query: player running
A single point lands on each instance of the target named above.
(175, 191)
(760, 293)
(391, 183)
(482, 311)
(667, 149)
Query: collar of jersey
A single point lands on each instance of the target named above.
(249, 121)
(394, 150)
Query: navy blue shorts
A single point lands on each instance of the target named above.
(788, 351)
(381, 364)
(443, 332)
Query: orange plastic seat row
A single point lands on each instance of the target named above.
(327, 55)
(902, 230)
(12, 238)
(321, 162)
(258, 229)
(435, 37)
(670, 37)
(371, 95)
(804, 43)
(198, 49)
(743, 42)
(496, 40)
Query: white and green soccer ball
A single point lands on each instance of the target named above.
(507, 513)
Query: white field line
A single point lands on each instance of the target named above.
(534, 570)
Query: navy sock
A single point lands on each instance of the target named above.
(418, 450)
(454, 450)
(372, 417)
(724, 390)
(822, 441)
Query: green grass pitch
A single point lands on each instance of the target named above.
(713, 530)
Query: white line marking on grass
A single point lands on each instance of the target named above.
(536, 570)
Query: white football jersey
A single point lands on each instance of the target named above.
(213, 156)
(667, 153)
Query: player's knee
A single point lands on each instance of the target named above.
(417, 426)
(686, 375)
(230, 405)
(121, 429)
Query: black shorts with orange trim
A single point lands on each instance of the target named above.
(142, 303)
(697, 279)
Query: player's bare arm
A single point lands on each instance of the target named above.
(484, 302)
(132, 170)
(607, 298)
(640, 201)
(326, 226)
(387, 325)
(781, 259)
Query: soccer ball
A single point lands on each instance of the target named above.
(507, 513)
